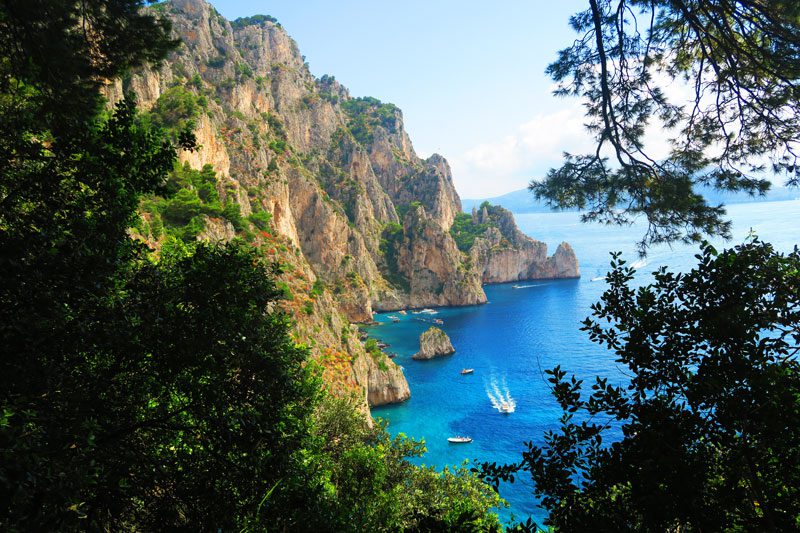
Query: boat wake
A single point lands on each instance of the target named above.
(529, 286)
(599, 278)
(500, 396)
(639, 264)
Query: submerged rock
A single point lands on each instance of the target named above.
(433, 343)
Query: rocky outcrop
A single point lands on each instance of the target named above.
(562, 264)
(433, 343)
(503, 253)
(387, 384)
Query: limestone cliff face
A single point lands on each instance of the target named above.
(327, 185)
(435, 268)
(503, 253)
(433, 343)
(387, 384)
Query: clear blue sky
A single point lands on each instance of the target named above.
(468, 76)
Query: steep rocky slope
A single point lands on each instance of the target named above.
(326, 185)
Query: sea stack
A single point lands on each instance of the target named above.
(433, 343)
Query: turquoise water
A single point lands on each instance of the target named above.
(521, 332)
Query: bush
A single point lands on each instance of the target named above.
(464, 231)
(255, 20)
(260, 219)
(176, 110)
(365, 114)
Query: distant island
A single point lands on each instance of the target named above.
(523, 201)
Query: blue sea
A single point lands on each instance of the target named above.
(521, 332)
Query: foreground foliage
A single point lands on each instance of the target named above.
(144, 392)
(710, 420)
(738, 61)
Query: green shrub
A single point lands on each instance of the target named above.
(176, 110)
(233, 213)
(243, 70)
(317, 289)
(260, 219)
(365, 114)
(255, 20)
(464, 231)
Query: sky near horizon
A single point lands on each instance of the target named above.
(468, 76)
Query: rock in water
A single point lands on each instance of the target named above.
(433, 343)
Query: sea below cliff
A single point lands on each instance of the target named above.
(521, 332)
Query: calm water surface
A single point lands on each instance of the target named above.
(521, 332)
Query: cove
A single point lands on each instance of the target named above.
(521, 332)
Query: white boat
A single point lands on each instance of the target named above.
(465, 371)
(401, 312)
(425, 312)
(506, 408)
(393, 318)
(599, 278)
(639, 264)
(459, 440)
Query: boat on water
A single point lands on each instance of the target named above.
(506, 408)
(393, 318)
(438, 321)
(425, 312)
(401, 312)
(517, 287)
(599, 278)
(465, 371)
(459, 440)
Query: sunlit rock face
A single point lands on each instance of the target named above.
(357, 221)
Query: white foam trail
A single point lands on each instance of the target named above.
(639, 264)
(500, 396)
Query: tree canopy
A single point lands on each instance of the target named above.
(739, 61)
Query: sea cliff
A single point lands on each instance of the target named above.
(327, 186)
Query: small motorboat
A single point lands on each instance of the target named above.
(506, 408)
(459, 440)
(517, 287)
(401, 312)
(438, 321)
(393, 318)
(465, 371)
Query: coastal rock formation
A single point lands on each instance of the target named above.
(503, 253)
(433, 343)
(435, 269)
(387, 384)
(323, 184)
